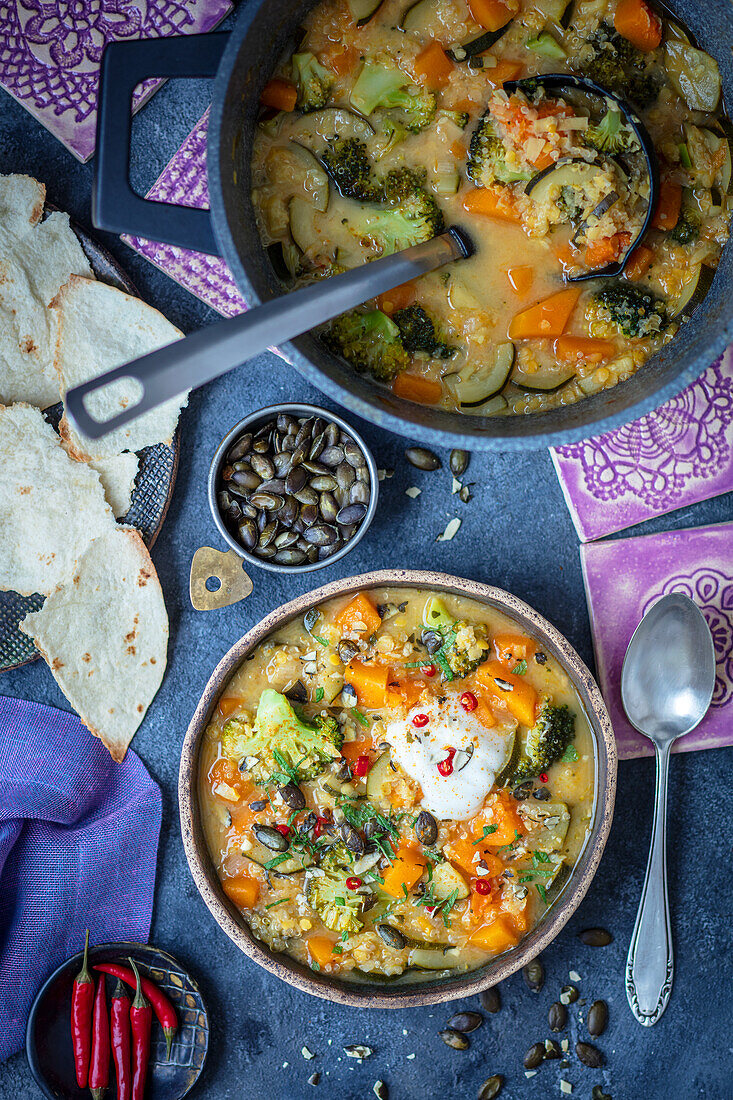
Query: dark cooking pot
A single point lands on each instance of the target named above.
(241, 63)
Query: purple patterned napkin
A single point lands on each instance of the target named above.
(678, 455)
(184, 183)
(50, 52)
(78, 847)
(623, 578)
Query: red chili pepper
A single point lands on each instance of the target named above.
(428, 670)
(321, 822)
(141, 1021)
(361, 767)
(482, 887)
(469, 701)
(82, 999)
(162, 1007)
(284, 829)
(99, 1062)
(119, 1027)
(544, 777)
(420, 720)
(353, 883)
(445, 767)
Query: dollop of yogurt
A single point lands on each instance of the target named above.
(480, 753)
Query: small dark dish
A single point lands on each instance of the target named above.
(251, 423)
(48, 1033)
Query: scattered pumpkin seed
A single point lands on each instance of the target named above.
(552, 1050)
(491, 1087)
(451, 530)
(380, 1090)
(314, 1079)
(292, 795)
(597, 1018)
(455, 1039)
(534, 975)
(589, 1055)
(535, 1056)
(426, 828)
(458, 462)
(357, 1050)
(392, 937)
(490, 999)
(569, 995)
(599, 1094)
(466, 1021)
(307, 1054)
(270, 837)
(574, 976)
(595, 937)
(557, 1017)
(422, 459)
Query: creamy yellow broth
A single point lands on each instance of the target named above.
(494, 852)
(519, 262)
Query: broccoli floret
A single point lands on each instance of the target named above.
(348, 164)
(611, 135)
(687, 229)
(381, 86)
(314, 82)
(546, 741)
(458, 647)
(370, 341)
(328, 895)
(459, 118)
(628, 309)
(487, 157)
(615, 64)
(567, 203)
(417, 330)
(281, 740)
(408, 216)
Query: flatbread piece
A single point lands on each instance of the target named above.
(117, 475)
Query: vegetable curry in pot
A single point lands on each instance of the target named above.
(398, 783)
(390, 121)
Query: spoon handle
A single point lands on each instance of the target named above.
(650, 964)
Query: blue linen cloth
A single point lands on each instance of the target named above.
(78, 848)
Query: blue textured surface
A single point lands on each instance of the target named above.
(516, 533)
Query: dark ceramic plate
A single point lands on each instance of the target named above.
(151, 494)
(48, 1035)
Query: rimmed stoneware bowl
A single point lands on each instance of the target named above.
(402, 993)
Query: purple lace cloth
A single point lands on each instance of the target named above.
(78, 848)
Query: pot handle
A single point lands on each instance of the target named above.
(115, 206)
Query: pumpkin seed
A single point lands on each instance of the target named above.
(455, 1039)
(270, 837)
(557, 1017)
(458, 462)
(298, 693)
(240, 448)
(426, 831)
(466, 1022)
(268, 534)
(292, 795)
(534, 975)
(535, 1056)
(352, 513)
(290, 555)
(307, 495)
(247, 532)
(345, 476)
(422, 458)
(599, 1094)
(332, 456)
(308, 515)
(268, 501)
(353, 455)
(351, 838)
(490, 999)
(246, 479)
(597, 1018)
(323, 483)
(589, 1055)
(392, 937)
(310, 619)
(347, 651)
(595, 937)
(569, 994)
(491, 1087)
(258, 806)
(552, 1050)
(296, 480)
(262, 466)
(359, 493)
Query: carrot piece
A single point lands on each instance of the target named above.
(511, 648)
(466, 855)
(280, 94)
(242, 890)
(226, 771)
(520, 278)
(493, 202)
(492, 14)
(546, 318)
(352, 750)
(404, 691)
(413, 387)
(637, 23)
(458, 150)
(601, 252)
(399, 297)
(582, 349)
(228, 704)
(543, 160)
(433, 66)
(519, 697)
(503, 70)
(503, 815)
(405, 871)
(496, 937)
(668, 209)
(320, 949)
(342, 60)
(359, 610)
(369, 681)
(639, 263)
(468, 103)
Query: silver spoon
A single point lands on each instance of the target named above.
(667, 683)
(170, 371)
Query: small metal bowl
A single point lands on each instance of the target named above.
(254, 420)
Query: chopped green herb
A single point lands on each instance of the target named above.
(685, 159)
(344, 937)
(542, 892)
(274, 903)
(319, 695)
(361, 718)
(276, 861)
(404, 889)
(570, 755)
(520, 668)
(444, 666)
(321, 640)
(337, 949)
(315, 966)
(340, 901)
(488, 830)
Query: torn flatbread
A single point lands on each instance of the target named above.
(104, 635)
(50, 506)
(98, 328)
(117, 475)
(22, 199)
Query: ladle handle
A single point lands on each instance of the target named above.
(172, 370)
(650, 964)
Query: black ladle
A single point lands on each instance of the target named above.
(558, 82)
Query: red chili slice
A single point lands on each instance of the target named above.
(284, 829)
(428, 670)
(544, 778)
(361, 767)
(420, 720)
(353, 883)
(445, 767)
(469, 701)
(482, 887)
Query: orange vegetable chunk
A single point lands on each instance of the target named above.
(546, 318)
(399, 297)
(352, 750)
(496, 937)
(413, 387)
(668, 209)
(502, 814)
(519, 697)
(501, 72)
(639, 262)
(320, 949)
(492, 202)
(360, 609)
(637, 23)
(520, 278)
(242, 890)
(465, 854)
(228, 704)
(369, 681)
(432, 66)
(511, 648)
(583, 349)
(407, 868)
(279, 94)
(492, 14)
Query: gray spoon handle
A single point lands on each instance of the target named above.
(650, 965)
(170, 371)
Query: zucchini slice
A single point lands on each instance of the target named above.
(318, 127)
(298, 173)
(513, 752)
(475, 46)
(303, 228)
(447, 880)
(694, 75)
(548, 380)
(692, 292)
(714, 137)
(434, 958)
(566, 172)
(474, 387)
(547, 822)
(491, 407)
(379, 776)
(364, 10)
(417, 18)
(293, 865)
